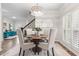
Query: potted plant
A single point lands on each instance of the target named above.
(37, 29)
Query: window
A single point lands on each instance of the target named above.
(71, 29)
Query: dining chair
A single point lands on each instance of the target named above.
(45, 31)
(26, 39)
(24, 33)
(23, 46)
(49, 47)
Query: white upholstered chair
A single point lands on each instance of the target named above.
(45, 31)
(23, 46)
(25, 36)
(51, 40)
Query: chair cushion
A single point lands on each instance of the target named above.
(28, 45)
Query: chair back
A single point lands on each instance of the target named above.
(24, 33)
(46, 31)
(20, 36)
(52, 37)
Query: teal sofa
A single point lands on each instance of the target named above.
(9, 33)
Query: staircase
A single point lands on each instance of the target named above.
(30, 24)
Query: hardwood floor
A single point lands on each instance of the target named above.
(60, 51)
(8, 44)
(66, 49)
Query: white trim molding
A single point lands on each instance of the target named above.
(0, 46)
(1, 32)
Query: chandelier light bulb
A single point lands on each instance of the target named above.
(36, 10)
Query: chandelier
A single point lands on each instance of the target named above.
(36, 10)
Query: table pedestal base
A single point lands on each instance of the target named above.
(36, 50)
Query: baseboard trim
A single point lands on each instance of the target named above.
(69, 51)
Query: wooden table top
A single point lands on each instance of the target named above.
(41, 36)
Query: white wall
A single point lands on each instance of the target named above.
(1, 33)
(53, 21)
(43, 23)
(19, 24)
(22, 23)
(68, 7)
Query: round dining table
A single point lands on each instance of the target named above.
(36, 39)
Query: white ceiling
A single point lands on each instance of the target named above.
(21, 10)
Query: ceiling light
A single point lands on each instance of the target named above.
(36, 10)
(14, 17)
(4, 10)
(39, 13)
